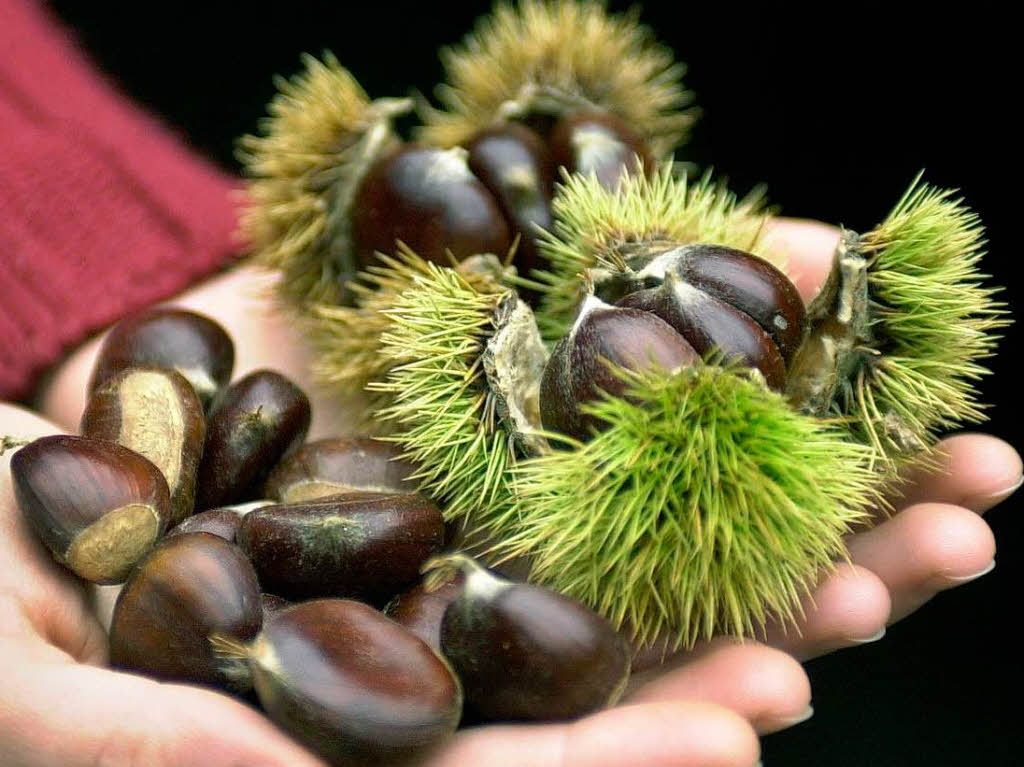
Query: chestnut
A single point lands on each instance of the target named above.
(421, 608)
(271, 603)
(190, 343)
(332, 466)
(578, 368)
(367, 546)
(511, 161)
(524, 652)
(189, 587)
(98, 506)
(599, 143)
(724, 300)
(156, 413)
(350, 684)
(223, 523)
(428, 199)
(260, 419)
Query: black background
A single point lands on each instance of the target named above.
(836, 116)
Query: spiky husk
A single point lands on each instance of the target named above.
(442, 412)
(346, 340)
(322, 134)
(592, 222)
(927, 323)
(705, 507)
(546, 55)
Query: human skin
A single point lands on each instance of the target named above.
(60, 705)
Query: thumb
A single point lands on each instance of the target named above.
(83, 716)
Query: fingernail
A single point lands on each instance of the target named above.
(973, 576)
(873, 638)
(803, 716)
(991, 499)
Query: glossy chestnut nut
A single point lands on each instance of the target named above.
(511, 161)
(223, 523)
(580, 366)
(725, 300)
(599, 144)
(156, 413)
(421, 609)
(525, 652)
(98, 506)
(350, 684)
(190, 587)
(428, 199)
(194, 345)
(332, 466)
(367, 546)
(260, 419)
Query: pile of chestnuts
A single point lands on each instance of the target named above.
(252, 562)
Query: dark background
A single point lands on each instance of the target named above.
(836, 117)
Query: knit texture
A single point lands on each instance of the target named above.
(102, 209)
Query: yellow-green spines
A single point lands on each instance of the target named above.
(932, 323)
(322, 133)
(442, 413)
(546, 55)
(706, 506)
(592, 222)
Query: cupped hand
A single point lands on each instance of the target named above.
(705, 706)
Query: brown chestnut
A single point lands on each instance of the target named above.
(599, 144)
(189, 587)
(524, 652)
(367, 546)
(223, 523)
(271, 603)
(725, 300)
(260, 419)
(156, 413)
(194, 345)
(578, 368)
(420, 609)
(350, 684)
(428, 199)
(511, 161)
(332, 466)
(98, 506)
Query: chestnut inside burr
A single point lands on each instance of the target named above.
(599, 144)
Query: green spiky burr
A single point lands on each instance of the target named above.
(553, 57)
(901, 327)
(322, 135)
(595, 227)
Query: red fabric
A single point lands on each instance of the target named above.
(102, 209)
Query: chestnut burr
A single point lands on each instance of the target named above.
(511, 161)
(581, 365)
(190, 587)
(599, 144)
(260, 419)
(429, 199)
(332, 466)
(350, 684)
(98, 506)
(366, 546)
(525, 652)
(193, 345)
(156, 413)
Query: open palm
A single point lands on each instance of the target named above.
(59, 705)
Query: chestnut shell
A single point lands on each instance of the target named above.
(599, 144)
(421, 610)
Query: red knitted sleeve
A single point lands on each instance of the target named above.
(102, 210)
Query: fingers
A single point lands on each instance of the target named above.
(850, 606)
(81, 716)
(765, 686)
(808, 246)
(976, 471)
(658, 734)
(925, 549)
